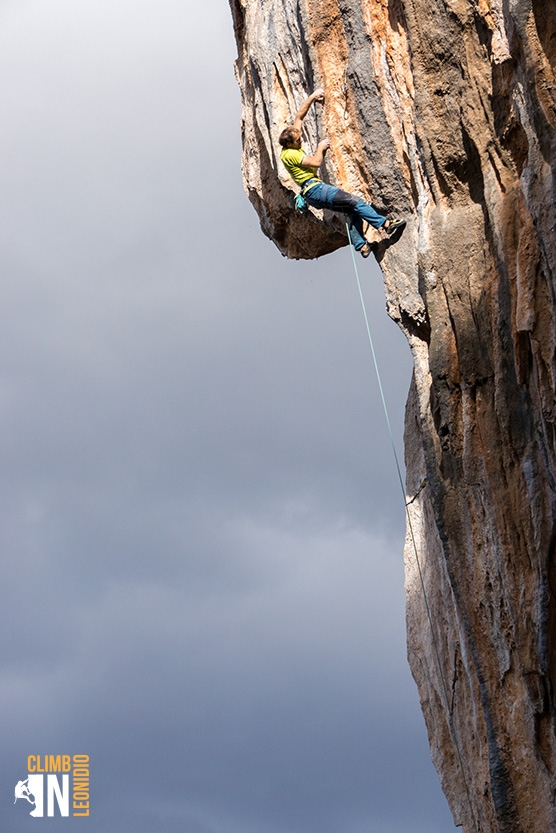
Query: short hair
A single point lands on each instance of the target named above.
(288, 136)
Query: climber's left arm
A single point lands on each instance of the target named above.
(316, 160)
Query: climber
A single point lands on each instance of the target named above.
(303, 170)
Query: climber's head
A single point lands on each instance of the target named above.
(290, 138)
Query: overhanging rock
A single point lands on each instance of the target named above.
(444, 112)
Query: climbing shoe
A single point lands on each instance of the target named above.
(365, 250)
(390, 226)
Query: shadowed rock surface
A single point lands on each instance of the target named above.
(444, 112)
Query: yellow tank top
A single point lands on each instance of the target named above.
(292, 159)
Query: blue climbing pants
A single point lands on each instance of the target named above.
(322, 195)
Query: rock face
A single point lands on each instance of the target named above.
(445, 111)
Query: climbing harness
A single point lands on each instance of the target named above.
(299, 203)
(412, 536)
(307, 184)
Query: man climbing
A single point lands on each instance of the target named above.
(303, 170)
(22, 791)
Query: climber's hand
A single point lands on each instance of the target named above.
(318, 95)
(316, 160)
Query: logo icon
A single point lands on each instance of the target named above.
(22, 791)
(42, 777)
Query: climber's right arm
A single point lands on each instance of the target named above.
(318, 95)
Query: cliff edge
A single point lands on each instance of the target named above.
(445, 112)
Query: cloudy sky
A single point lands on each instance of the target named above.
(201, 527)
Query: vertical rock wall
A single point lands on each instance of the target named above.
(445, 111)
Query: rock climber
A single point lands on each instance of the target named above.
(303, 170)
(22, 791)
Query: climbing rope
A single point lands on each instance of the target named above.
(412, 536)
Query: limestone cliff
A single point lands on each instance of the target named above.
(444, 111)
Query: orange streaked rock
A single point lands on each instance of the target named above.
(445, 113)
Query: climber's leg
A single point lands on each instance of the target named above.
(321, 195)
(334, 199)
(358, 211)
(366, 212)
(355, 228)
(344, 202)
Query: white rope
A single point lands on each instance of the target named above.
(412, 536)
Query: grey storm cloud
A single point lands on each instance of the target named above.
(201, 526)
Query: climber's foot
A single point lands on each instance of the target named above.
(390, 226)
(365, 250)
